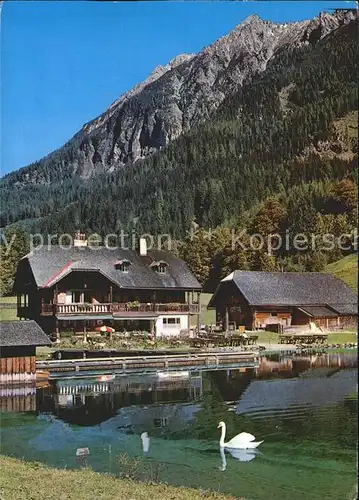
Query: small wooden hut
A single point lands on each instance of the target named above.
(18, 342)
(269, 300)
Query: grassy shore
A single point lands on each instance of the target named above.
(263, 338)
(31, 480)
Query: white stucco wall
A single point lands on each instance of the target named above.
(171, 330)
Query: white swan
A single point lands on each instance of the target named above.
(145, 442)
(242, 441)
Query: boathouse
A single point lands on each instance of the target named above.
(81, 288)
(18, 342)
(275, 300)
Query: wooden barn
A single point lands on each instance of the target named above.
(274, 300)
(18, 342)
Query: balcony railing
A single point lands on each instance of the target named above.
(184, 308)
(83, 308)
(117, 307)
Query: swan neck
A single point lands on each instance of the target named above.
(223, 435)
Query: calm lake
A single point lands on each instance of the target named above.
(303, 407)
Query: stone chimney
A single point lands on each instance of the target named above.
(80, 239)
(143, 246)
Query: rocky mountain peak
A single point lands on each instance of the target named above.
(181, 58)
(187, 90)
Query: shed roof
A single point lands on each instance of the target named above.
(290, 289)
(319, 311)
(22, 333)
(51, 265)
(349, 309)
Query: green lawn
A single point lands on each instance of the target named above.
(8, 315)
(8, 300)
(43, 352)
(208, 317)
(333, 338)
(342, 337)
(346, 269)
(267, 337)
(31, 480)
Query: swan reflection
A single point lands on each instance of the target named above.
(145, 442)
(241, 455)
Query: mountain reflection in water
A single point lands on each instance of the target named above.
(303, 407)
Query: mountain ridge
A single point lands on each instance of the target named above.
(174, 98)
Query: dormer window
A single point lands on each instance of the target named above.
(160, 267)
(123, 265)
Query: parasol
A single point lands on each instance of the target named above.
(105, 328)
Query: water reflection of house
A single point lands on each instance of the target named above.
(292, 366)
(230, 384)
(267, 365)
(90, 402)
(18, 398)
(138, 385)
(281, 394)
(174, 416)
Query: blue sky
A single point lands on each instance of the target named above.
(63, 63)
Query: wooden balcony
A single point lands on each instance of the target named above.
(116, 307)
(157, 308)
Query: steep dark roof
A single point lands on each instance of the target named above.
(50, 265)
(22, 333)
(290, 289)
(345, 309)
